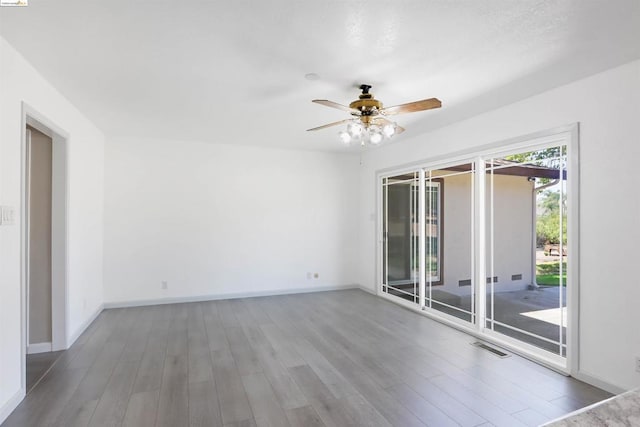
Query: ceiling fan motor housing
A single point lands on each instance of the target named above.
(367, 105)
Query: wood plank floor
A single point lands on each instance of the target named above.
(38, 365)
(323, 359)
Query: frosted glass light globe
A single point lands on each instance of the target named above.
(355, 129)
(389, 129)
(345, 138)
(375, 138)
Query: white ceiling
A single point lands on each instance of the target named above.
(233, 71)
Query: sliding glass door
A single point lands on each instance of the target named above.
(484, 243)
(527, 247)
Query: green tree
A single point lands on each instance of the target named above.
(548, 202)
(549, 157)
(548, 219)
(552, 157)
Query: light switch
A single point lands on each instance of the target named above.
(7, 215)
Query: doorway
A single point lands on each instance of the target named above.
(39, 166)
(44, 245)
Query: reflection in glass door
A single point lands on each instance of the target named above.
(446, 233)
(527, 247)
(449, 283)
(400, 257)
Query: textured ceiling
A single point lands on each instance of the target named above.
(233, 71)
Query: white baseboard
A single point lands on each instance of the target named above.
(11, 405)
(74, 336)
(212, 297)
(597, 382)
(40, 347)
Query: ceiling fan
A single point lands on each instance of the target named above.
(369, 122)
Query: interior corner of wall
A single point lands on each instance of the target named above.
(73, 336)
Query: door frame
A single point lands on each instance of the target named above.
(59, 231)
(567, 135)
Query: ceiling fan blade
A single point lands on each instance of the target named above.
(332, 104)
(330, 124)
(412, 107)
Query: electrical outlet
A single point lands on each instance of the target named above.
(164, 285)
(637, 364)
(316, 275)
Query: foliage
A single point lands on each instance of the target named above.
(549, 201)
(548, 273)
(551, 280)
(553, 157)
(548, 218)
(549, 157)
(550, 267)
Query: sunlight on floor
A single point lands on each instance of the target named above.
(551, 315)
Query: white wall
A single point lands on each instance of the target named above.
(607, 106)
(218, 219)
(20, 82)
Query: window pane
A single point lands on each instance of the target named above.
(433, 192)
(400, 236)
(449, 244)
(527, 247)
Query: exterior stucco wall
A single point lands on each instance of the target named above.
(512, 233)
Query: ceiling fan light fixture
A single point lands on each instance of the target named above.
(345, 137)
(375, 137)
(389, 129)
(355, 129)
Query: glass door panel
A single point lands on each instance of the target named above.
(400, 258)
(449, 273)
(527, 247)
